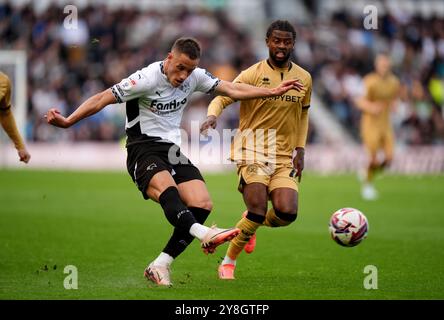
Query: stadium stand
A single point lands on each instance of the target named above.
(113, 39)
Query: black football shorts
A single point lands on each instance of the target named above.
(147, 158)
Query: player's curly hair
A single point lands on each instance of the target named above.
(281, 25)
(188, 46)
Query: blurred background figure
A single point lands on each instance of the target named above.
(380, 98)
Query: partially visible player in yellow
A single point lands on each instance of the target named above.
(7, 118)
(382, 89)
(265, 174)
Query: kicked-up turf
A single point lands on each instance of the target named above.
(99, 223)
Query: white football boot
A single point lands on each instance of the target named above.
(160, 275)
(368, 192)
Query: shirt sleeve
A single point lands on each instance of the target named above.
(132, 87)
(206, 82)
(247, 76)
(307, 98)
(219, 103)
(5, 92)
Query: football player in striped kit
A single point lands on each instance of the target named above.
(155, 98)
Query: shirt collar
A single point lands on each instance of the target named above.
(290, 65)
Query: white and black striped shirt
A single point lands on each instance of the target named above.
(154, 108)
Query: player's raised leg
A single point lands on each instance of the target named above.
(197, 198)
(163, 189)
(152, 174)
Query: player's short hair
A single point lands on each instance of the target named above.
(188, 46)
(281, 25)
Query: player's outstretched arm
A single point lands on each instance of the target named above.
(91, 106)
(210, 122)
(298, 163)
(242, 91)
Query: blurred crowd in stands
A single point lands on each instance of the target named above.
(66, 66)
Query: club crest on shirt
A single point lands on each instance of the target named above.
(185, 87)
(208, 73)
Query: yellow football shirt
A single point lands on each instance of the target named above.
(7, 120)
(384, 90)
(278, 124)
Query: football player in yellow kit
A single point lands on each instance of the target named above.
(267, 170)
(381, 92)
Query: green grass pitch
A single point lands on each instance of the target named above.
(99, 223)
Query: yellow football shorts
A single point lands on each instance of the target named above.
(273, 178)
(375, 140)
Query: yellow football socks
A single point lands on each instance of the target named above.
(272, 220)
(248, 228)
